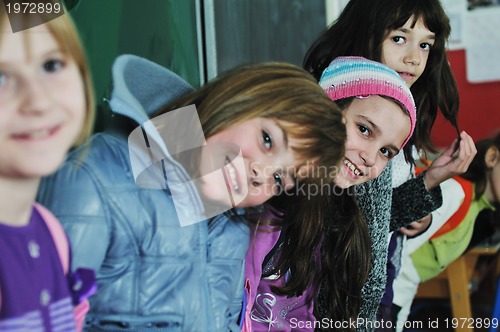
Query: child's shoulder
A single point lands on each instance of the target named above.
(58, 235)
(104, 157)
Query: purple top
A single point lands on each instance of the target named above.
(267, 311)
(34, 290)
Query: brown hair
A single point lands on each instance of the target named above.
(278, 91)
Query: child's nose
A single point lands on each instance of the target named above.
(412, 57)
(256, 173)
(35, 97)
(368, 157)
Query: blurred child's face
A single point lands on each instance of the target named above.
(267, 167)
(406, 50)
(493, 181)
(376, 129)
(42, 103)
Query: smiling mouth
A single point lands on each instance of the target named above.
(401, 73)
(36, 134)
(353, 168)
(232, 174)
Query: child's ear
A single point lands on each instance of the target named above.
(492, 156)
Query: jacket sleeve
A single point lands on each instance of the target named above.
(73, 195)
(453, 197)
(411, 202)
(374, 200)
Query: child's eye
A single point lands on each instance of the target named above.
(267, 141)
(278, 182)
(387, 153)
(426, 46)
(53, 65)
(363, 130)
(7, 83)
(3, 79)
(398, 39)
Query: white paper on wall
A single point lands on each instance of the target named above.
(482, 44)
(456, 11)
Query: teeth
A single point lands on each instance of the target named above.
(352, 167)
(36, 134)
(39, 133)
(232, 176)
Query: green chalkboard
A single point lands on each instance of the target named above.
(249, 31)
(163, 31)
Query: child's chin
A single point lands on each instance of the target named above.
(342, 183)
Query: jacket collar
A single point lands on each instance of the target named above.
(142, 87)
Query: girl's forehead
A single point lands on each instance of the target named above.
(28, 45)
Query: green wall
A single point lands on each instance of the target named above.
(163, 31)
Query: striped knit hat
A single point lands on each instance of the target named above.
(356, 77)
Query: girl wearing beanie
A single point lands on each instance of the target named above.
(285, 268)
(410, 37)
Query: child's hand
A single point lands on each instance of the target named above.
(417, 227)
(454, 161)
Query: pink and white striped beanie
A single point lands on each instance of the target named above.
(356, 76)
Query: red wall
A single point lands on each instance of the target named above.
(479, 113)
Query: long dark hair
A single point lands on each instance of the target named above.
(361, 29)
(326, 241)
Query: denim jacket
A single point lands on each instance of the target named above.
(152, 273)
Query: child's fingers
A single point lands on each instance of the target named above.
(408, 231)
(452, 148)
(467, 147)
(466, 152)
(448, 164)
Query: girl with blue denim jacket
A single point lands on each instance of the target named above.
(144, 201)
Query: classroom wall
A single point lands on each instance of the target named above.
(236, 32)
(249, 31)
(479, 112)
(163, 31)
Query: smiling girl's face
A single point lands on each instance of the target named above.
(376, 129)
(42, 102)
(267, 167)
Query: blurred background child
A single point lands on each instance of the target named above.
(46, 107)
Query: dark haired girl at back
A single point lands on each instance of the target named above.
(409, 36)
